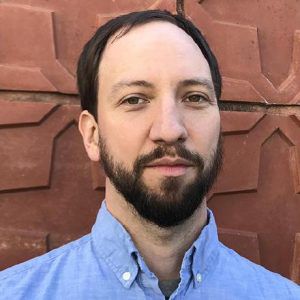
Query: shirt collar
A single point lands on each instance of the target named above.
(113, 244)
(206, 248)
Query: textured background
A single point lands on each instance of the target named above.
(50, 192)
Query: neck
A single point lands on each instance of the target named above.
(162, 249)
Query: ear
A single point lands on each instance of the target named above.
(89, 130)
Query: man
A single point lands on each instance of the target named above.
(149, 86)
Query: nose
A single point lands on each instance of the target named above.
(168, 124)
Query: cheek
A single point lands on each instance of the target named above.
(124, 139)
(204, 133)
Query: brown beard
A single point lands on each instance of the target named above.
(175, 203)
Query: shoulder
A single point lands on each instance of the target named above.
(40, 273)
(46, 259)
(253, 276)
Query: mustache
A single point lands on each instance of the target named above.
(176, 150)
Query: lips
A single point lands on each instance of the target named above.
(169, 162)
(170, 167)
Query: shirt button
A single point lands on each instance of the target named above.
(199, 277)
(126, 276)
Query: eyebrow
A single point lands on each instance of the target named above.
(198, 82)
(121, 84)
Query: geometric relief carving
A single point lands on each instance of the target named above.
(35, 24)
(295, 167)
(244, 134)
(239, 122)
(271, 208)
(20, 113)
(29, 60)
(26, 152)
(35, 219)
(244, 43)
(290, 86)
(244, 46)
(41, 41)
(24, 78)
(243, 242)
(236, 148)
(240, 90)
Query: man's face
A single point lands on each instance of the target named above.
(159, 121)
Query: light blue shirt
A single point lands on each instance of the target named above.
(106, 265)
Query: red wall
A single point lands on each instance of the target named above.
(50, 192)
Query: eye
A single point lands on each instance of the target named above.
(134, 100)
(196, 98)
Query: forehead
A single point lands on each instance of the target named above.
(147, 50)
